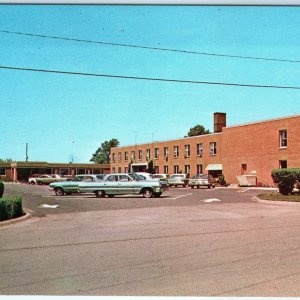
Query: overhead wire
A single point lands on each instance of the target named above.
(148, 47)
(147, 78)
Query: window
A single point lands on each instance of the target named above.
(133, 155)
(199, 149)
(213, 148)
(187, 169)
(2, 171)
(244, 168)
(176, 169)
(156, 153)
(119, 156)
(283, 164)
(119, 170)
(283, 138)
(166, 152)
(187, 150)
(156, 168)
(126, 155)
(199, 169)
(140, 154)
(124, 178)
(113, 157)
(176, 151)
(148, 154)
(112, 178)
(166, 169)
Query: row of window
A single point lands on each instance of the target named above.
(187, 152)
(165, 169)
(199, 168)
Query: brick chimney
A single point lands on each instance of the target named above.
(219, 121)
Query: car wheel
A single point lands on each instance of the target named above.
(208, 186)
(157, 195)
(59, 192)
(192, 187)
(198, 187)
(39, 182)
(147, 193)
(100, 194)
(32, 182)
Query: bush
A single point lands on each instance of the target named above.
(286, 179)
(221, 180)
(10, 207)
(1, 188)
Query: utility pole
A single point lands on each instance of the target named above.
(26, 151)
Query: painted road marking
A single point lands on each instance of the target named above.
(48, 206)
(243, 191)
(211, 200)
(181, 196)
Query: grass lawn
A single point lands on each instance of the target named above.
(275, 196)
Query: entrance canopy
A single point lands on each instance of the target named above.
(139, 164)
(214, 167)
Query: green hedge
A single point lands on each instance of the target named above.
(286, 179)
(10, 207)
(1, 188)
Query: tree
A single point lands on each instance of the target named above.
(102, 154)
(150, 168)
(198, 130)
(7, 160)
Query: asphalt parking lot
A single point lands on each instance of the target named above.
(41, 201)
(188, 243)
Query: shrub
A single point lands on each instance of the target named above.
(10, 207)
(1, 188)
(221, 180)
(286, 179)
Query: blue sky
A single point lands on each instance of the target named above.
(64, 117)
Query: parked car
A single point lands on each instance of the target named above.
(71, 185)
(122, 184)
(45, 179)
(199, 180)
(145, 175)
(178, 179)
(160, 176)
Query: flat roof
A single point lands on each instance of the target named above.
(163, 141)
(44, 164)
(263, 121)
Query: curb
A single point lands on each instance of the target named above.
(275, 202)
(16, 220)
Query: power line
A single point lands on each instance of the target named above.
(149, 48)
(148, 78)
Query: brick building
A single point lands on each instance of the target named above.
(242, 153)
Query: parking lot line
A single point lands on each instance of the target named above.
(181, 196)
(243, 191)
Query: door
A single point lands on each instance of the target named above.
(125, 185)
(111, 185)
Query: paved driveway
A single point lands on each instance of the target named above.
(179, 245)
